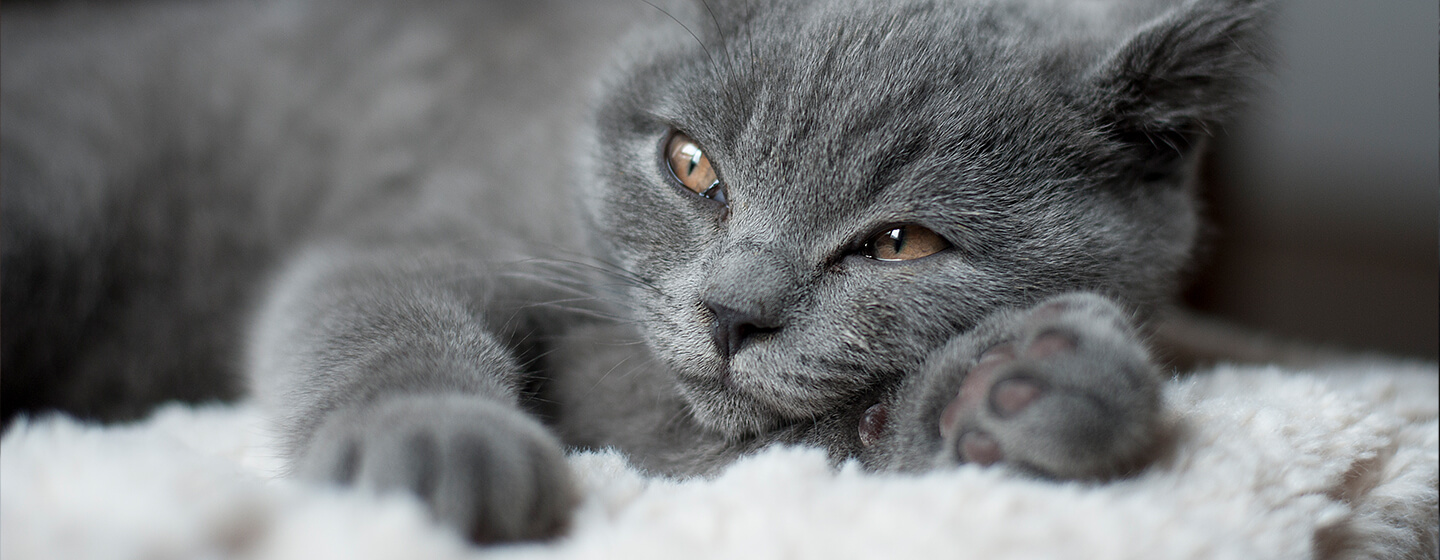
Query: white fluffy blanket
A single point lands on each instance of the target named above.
(1266, 464)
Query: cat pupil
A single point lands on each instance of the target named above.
(694, 153)
(896, 238)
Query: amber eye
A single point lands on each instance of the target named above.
(690, 166)
(903, 243)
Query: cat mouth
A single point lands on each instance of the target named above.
(748, 383)
(723, 379)
(722, 400)
(722, 405)
(727, 378)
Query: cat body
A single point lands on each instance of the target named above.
(198, 147)
(446, 239)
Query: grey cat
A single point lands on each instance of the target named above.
(448, 240)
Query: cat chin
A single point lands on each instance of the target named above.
(748, 401)
(727, 409)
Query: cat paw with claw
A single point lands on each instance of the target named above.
(1063, 390)
(483, 468)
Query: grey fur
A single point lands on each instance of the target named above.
(446, 232)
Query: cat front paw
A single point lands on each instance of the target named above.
(1063, 390)
(483, 468)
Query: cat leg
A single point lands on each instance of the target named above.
(1064, 389)
(387, 374)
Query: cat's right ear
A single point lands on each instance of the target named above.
(1176, 79)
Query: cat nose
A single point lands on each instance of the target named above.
(735, 327)
(749, 291)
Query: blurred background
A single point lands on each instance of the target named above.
(1325, 196)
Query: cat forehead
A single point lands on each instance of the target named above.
(860, 97)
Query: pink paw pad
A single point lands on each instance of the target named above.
(1011, 396)
(1052, 311)
(1049, 344)
(974, 388)
(981, 449)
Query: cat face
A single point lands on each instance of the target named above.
(822, 194)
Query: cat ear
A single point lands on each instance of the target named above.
(1178, 77)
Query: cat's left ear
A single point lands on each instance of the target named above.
(1172, 82)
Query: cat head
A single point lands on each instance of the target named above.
(815, 195)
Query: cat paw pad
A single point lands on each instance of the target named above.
(1069, 393)
(1004, 398)
(1011, 396)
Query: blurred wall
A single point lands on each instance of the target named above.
(1326, 196)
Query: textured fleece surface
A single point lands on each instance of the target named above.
(1264, 463)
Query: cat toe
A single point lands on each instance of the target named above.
(1050, 343)
(980, 448)
(1012, 396)
(487, 471)
(963, 408)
